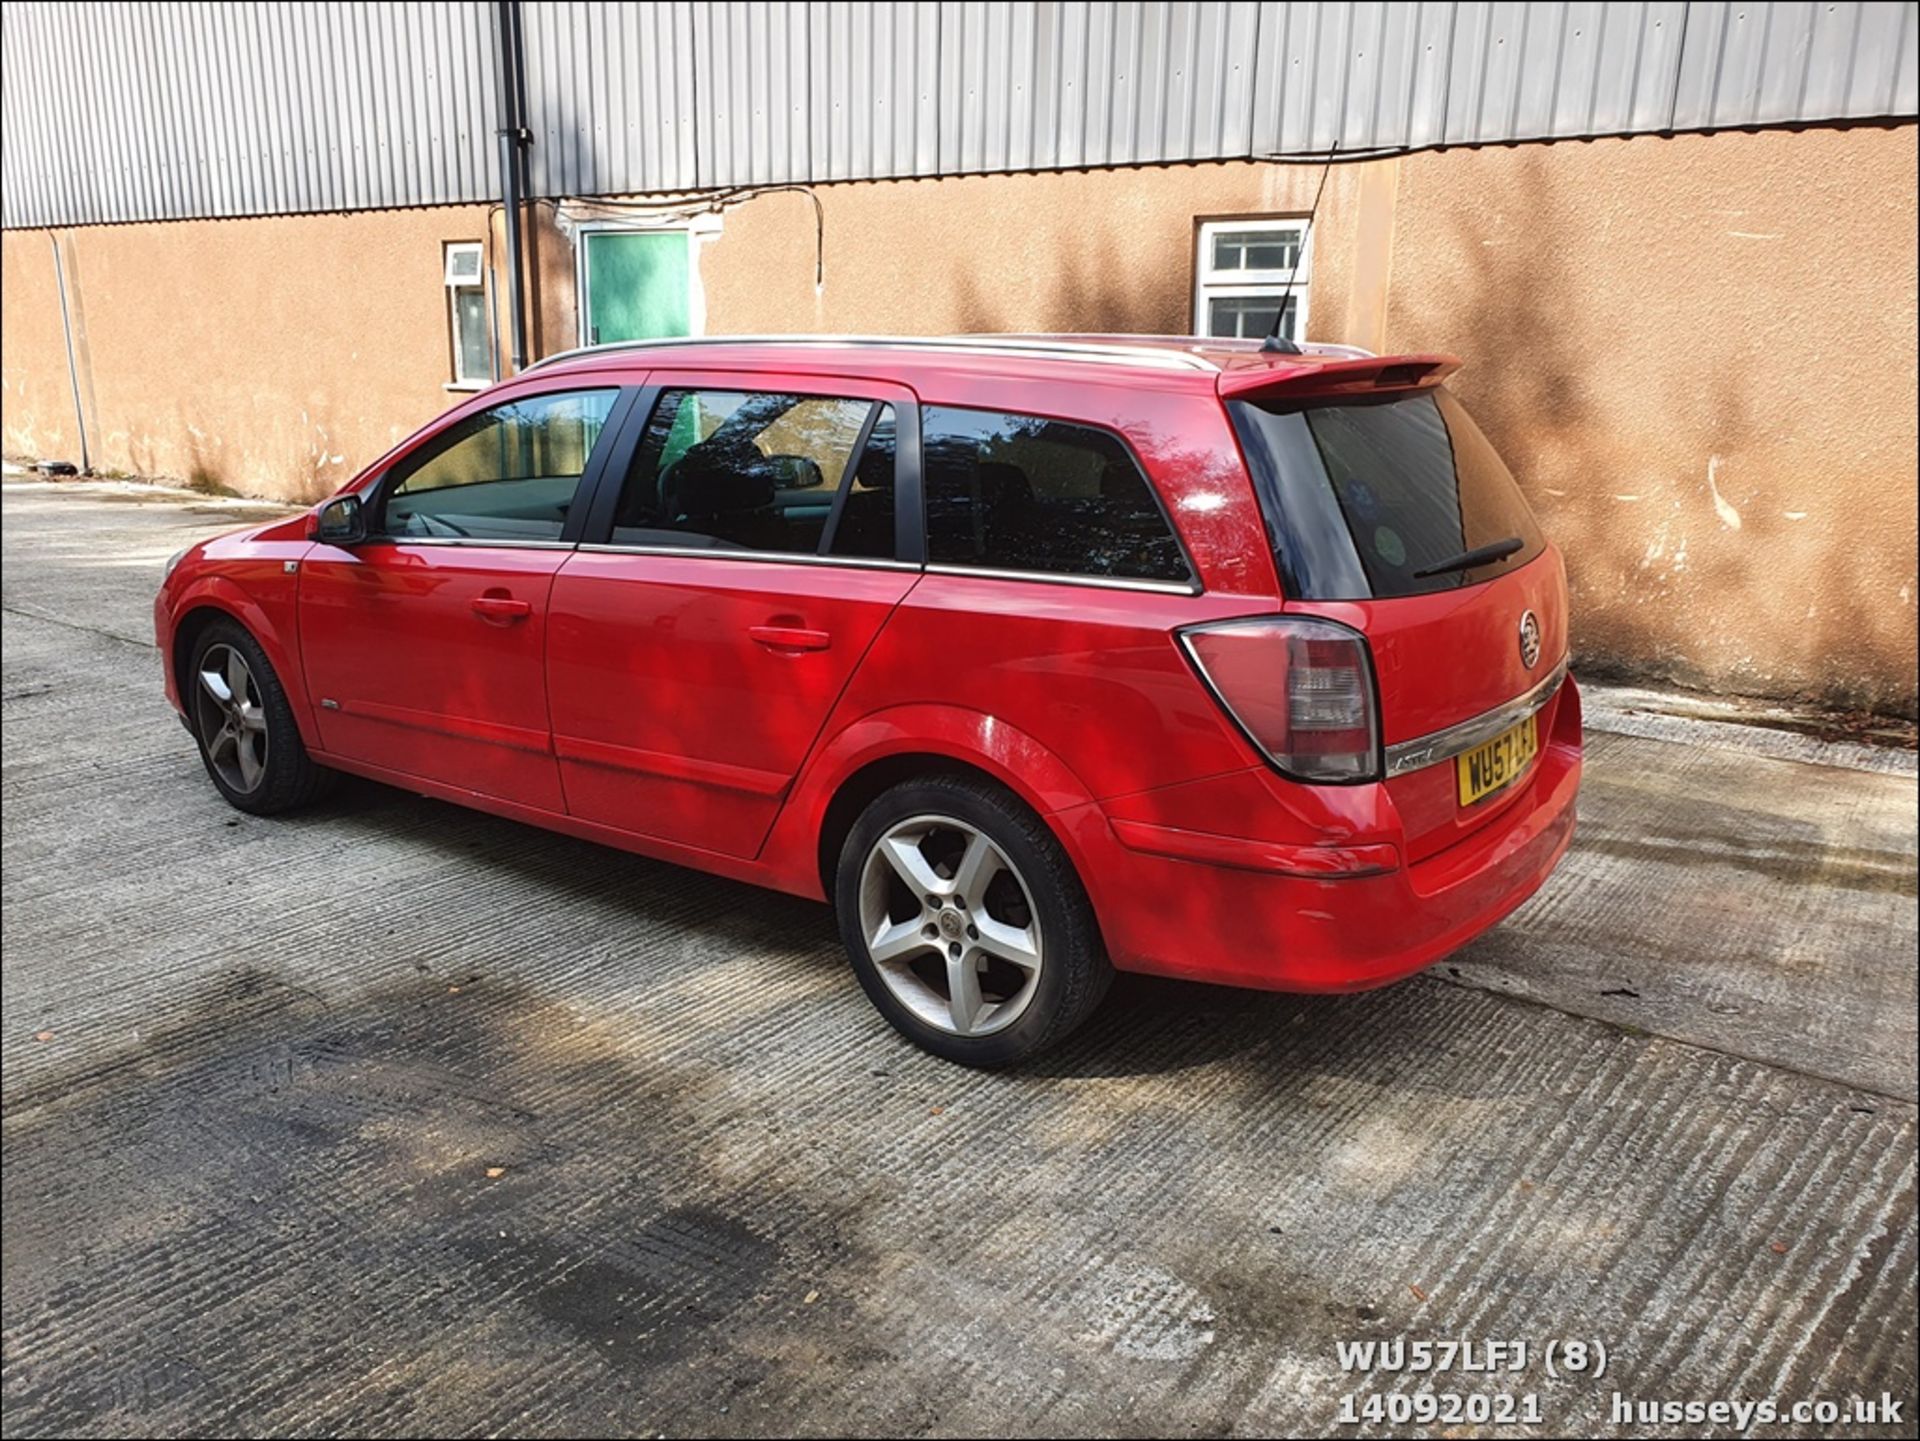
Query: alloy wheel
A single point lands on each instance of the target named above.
(233, 723)
(950, 925)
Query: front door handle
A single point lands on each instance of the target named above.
(501, 609)
(789, 637)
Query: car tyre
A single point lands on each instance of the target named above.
(243, 721)
(986, 979)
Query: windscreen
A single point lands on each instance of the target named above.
(1375, 497)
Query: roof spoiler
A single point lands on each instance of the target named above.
(1359, 376)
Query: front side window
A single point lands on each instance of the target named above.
(1244, 271)
(467, 315)
(1020, 492)
(740, 470)
(507, 473)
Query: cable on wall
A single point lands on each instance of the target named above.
(711, 202)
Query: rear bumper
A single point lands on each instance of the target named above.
(1303, 914)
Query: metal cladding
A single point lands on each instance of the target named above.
(150, 111)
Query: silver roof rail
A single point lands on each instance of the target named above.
(1099, 351)
(1196, 345)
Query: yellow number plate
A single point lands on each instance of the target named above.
(1501, 761)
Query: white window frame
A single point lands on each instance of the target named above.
(1210, 284)
(700, 230)
(455, 285)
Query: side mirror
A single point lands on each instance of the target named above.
(341, 521)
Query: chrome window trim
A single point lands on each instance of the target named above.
(1101, 582)
(1158, 587)
(859, 562)
(1457, 740)
(469, 540)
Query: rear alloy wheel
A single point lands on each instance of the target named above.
(955, 938)
(966, 923)
(245, 726)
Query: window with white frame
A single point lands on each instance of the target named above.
(472, 337)
(1242, 270)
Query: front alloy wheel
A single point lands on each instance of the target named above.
(232, 722)
(240, 714)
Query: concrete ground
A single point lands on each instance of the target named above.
(393, 1118)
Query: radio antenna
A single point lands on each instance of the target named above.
(1276, 343)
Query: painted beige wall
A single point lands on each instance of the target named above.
(1699, 355)
(269, 356)
(1698, 352)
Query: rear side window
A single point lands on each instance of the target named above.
(1380, 497)
(506, 473)
(1019, 492)
(740, 470)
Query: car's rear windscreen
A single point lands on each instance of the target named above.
(1377, 496)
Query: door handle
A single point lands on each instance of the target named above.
(501, 609)
(788, 637)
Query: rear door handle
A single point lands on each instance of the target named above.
(501, 609)
(788, 637)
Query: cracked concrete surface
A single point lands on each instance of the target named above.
(392, 1118)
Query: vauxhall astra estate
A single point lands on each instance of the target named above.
(1037, 656)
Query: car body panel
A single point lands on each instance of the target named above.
(1271, 929)
(408, 675)
(669, 717)
(957, 734)
(1444, 658)
(1091, 673)
(252, 575)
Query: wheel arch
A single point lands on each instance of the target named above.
(860, 789)
(215, 599)
(880, 750)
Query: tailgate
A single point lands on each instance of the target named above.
(1445, 659)
(1392, 513)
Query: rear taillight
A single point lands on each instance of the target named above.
(1301, 689)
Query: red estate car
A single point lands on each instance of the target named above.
(1036, 655)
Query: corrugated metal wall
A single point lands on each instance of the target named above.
(137, 111)
(149, 111)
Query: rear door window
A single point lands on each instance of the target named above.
(1024, 493)
(1375, 498)
(740, 470)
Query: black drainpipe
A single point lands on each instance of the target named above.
(514, 138)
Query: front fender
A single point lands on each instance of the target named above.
(270, 618)
(974, 738)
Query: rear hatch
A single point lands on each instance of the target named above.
(1378, 490)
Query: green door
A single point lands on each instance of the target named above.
(637, 285)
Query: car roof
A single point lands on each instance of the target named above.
(1162, 362)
